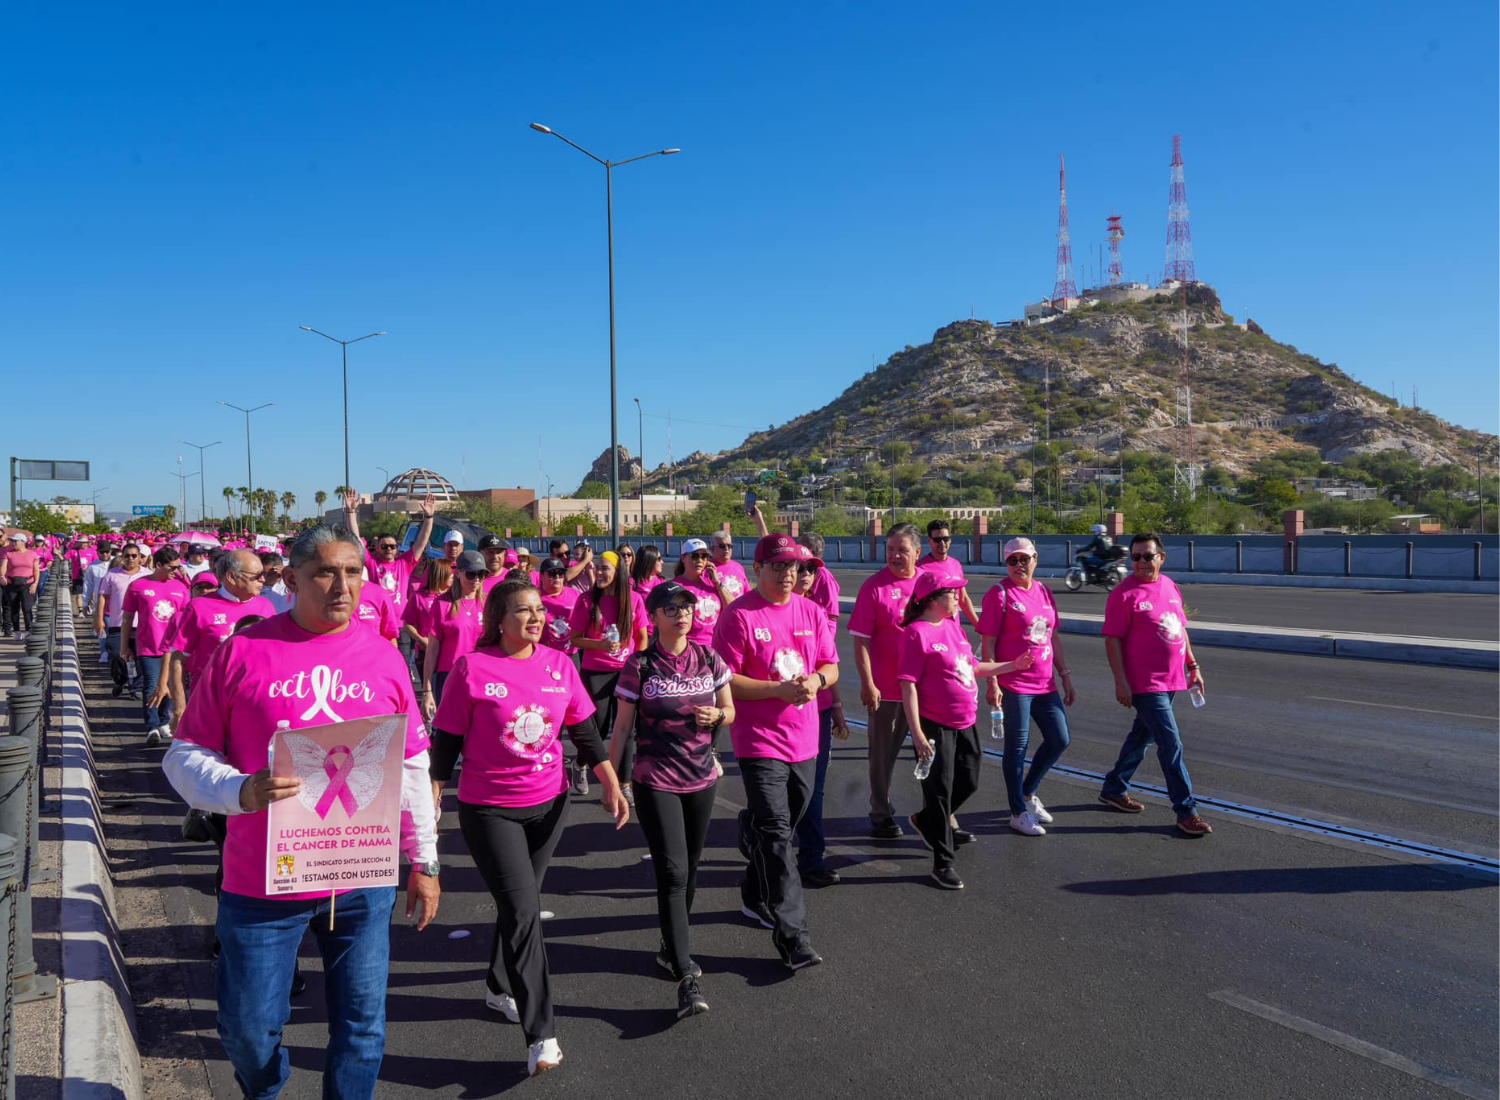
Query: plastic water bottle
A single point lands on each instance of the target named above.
(132, 670)
(612, 635)
(924, 766)
(997, 723)
(1195, 693)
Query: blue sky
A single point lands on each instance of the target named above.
(180, 189)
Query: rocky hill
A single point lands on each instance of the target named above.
(1109, 373)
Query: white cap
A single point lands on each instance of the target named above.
(453, 536)
(692, 546)
(1019, 546)
(18, 535)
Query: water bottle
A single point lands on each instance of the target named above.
(997, 724)
(1195, 693)
(612, 634)
(132, 670)
(924, 765)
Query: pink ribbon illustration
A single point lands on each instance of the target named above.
(338, 783)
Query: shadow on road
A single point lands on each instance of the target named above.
(1378, 879)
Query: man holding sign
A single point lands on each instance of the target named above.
(337, 702)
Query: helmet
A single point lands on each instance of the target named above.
(1097, 529)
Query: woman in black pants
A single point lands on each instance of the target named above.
(672, 697)
(505, 706)
(609, 624)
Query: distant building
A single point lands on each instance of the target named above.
(1416, 523)
(1336, 488)
(658, 507)
(511, 498)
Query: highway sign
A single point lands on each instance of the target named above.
(148, 509)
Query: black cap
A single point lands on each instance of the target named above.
(552, 565)
(493, 542)
(665, 593)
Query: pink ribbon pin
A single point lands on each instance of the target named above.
(338, 783)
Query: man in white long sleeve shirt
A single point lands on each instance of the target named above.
(305, 668)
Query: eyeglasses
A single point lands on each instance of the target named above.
(477, 574)
(1144, 557)
(783, 566)
(261, 577)
(940, 538)
(677, 610)
(130, 556)
(1018, 559)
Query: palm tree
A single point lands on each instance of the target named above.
(229, 505)
(320, 498)
(289, 498)
(247, 514)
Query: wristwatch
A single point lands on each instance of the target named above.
(823, 680)
(429, 869)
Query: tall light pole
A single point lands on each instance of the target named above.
(202, 498)
(345, 345)
(640, 427)
(249, 469)
(609, 230)
(549, 504)
(105, 488)
(387, 474)
(182, 489)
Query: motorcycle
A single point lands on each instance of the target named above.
(1108, 574)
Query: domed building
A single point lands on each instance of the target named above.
(414, 484)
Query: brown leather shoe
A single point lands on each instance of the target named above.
(1193, 825)
(1122, 802)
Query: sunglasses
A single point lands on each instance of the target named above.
(555, 573)
(1144, 557)
(807, 568)
(389, 546)
(700, 556)
(476, 574)
(1018, 559)
(677, 610)
(940, 538)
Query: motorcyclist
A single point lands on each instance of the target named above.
(1097, 552)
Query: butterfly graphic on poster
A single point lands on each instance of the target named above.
(349, 777)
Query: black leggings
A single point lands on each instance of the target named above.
(511, 847)
(19, 602)
(601, 688)
(676, 827)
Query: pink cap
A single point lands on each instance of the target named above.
(512, 558)
(1019, 546)
(776, 548)
(806, 555)
(930, 581)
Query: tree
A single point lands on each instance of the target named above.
(1274, 495)
(229, 504)
(320, 498)
(592, 490)
(896, 451)
(831, 522)
(288, 500)
(169, 514)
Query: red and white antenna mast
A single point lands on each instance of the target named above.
(1179, 233)
(1115, 234)
(1062, 285)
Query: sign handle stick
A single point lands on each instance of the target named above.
(333, 898)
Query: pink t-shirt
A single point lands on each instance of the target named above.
(937, 658)
(1152, 628)
(706, 614)
(950, 567)
(1020, 620)
(207, 621)
(418, 606)
(112, 591)
(20, 565)
(558, 633)
(599, 660)
(394, 576)
(275, 671)
(155, 605)
(736, 584)
(511, 712)
(776, 642)
(454, 629)
(876, 617)
(377, 610)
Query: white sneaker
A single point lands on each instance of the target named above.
(166, 734)
(1026, 825)
(504, 1004)
(153, 738)
(542, 1055)
(1038, 811)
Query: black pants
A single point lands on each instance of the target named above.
(512, 847)
(954, 777)
(776, 795)
(19, 601)
(601, 689)
(676, 827)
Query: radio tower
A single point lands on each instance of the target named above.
(1115, 235)
(1184, 462)
(1062, 286)
(1179, 233)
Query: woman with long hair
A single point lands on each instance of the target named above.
(645, 574)
(452, 628)
(938, 676)
(432, 578)
(695, 572)
(506, 706)
(609, 624)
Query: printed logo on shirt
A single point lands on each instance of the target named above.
(1170, 627)
(496, 691)
(939, 647)
(1145, 605)
(366, 612)
(325, 686)
(788, 664)
(220, 619)
(530, 734)
(558, 627)
(162, 610)
(708, 609)
(963, 667)
(762, 634)
(1037, 632)
(388, 581)
(732, 586)
(675, 687)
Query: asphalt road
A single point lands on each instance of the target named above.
(1111, 954)
(1439, 614)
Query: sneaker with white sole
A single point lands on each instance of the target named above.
(1038, 811)
(153, 738)
(166, 734)
(580, 780)
(1026, 825)
(690, 1001)
(504, 1004)
(543, 1055)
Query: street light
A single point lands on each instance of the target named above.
(104, 488)
(182, 488)
(249, 470)
(387, 474)
(640, 422)
(202, 499)
(609, 224)
(345, 345)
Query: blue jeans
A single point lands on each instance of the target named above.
(1052, 720)
(150, 677)
(810, 838)
(1154, 721)
(253, 983)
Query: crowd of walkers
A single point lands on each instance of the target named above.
(496, 657)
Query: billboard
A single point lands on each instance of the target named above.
(35, 469)
(73, 513)
(148, 509)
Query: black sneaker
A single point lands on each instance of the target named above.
(802, 955)
(963, 836)
(912, 821)
(690, 1000)
(694, 970)
(947, 878)
(744, 837)
(819, 877)
(758, 912)
(888, 830)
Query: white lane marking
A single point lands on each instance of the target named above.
(1461, 1085)
(1397, 706)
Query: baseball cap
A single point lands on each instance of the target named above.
(1019, 546)
(453, 536)
(665, 593)
(471, 561)
(17, 535)
(206, 577)
(195, 548)
(806, 555)
(693, 546)
(930, 581)
(552, 565)
(510, 558)
(776, 548)
(493, 542)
